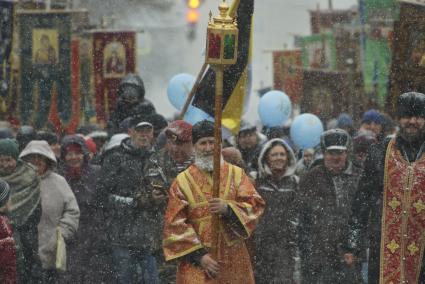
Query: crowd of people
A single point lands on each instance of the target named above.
(133, 203)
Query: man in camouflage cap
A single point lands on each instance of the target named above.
(165, 165)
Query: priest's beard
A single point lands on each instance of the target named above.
(204, 162)
(415, 137)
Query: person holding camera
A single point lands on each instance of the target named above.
(164, 166)
(130, 208)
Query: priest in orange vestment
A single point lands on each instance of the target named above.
(188, 227)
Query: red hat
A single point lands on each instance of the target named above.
(179, 131)
(91, 145)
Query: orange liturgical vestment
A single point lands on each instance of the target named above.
(188, 225)
(403, 218)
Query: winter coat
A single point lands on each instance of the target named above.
(59, 209)
(275, 236)
(324, 204)
(89, 257)
(109, 147)
(59, 206)
(130, 212)
(25, 216)
(7, 252)
(367, 207)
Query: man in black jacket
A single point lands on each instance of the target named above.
(325, 196)
(131, 209)
(388, 208)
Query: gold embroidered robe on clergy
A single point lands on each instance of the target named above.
(188, 226)
(403, 218)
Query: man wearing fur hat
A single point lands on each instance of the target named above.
(389, 206)
(325, 196)
(188, 229)
(25, 209)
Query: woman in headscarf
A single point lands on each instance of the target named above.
(60, 212)
(275, 236)
(88, 259)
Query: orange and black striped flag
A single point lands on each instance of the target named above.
(236, 85)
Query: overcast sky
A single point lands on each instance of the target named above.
(275, 24)
(163, 48)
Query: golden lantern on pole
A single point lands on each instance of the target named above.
(221, 51)
(222, 38)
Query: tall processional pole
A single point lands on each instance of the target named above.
(221, 51)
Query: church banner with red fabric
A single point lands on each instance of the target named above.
(113, 57)
(288, 73)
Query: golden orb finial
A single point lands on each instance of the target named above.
(224, 8)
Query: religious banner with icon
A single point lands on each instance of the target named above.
(324, 98)
(45, 42)
(408, 56)
(6, 37)
(113, 58)
(318, 51)
(287, 73)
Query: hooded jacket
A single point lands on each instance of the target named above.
(59, 206)
(275, 236)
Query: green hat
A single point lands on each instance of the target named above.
(9, 147)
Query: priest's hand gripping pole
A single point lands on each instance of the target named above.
(222, 43)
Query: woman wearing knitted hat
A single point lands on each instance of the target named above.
(60, 210)
(7, 242)
(371, 123)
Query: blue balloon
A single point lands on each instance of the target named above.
(194, 115)
(179, 88)
(306, 130)
(274, 108)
